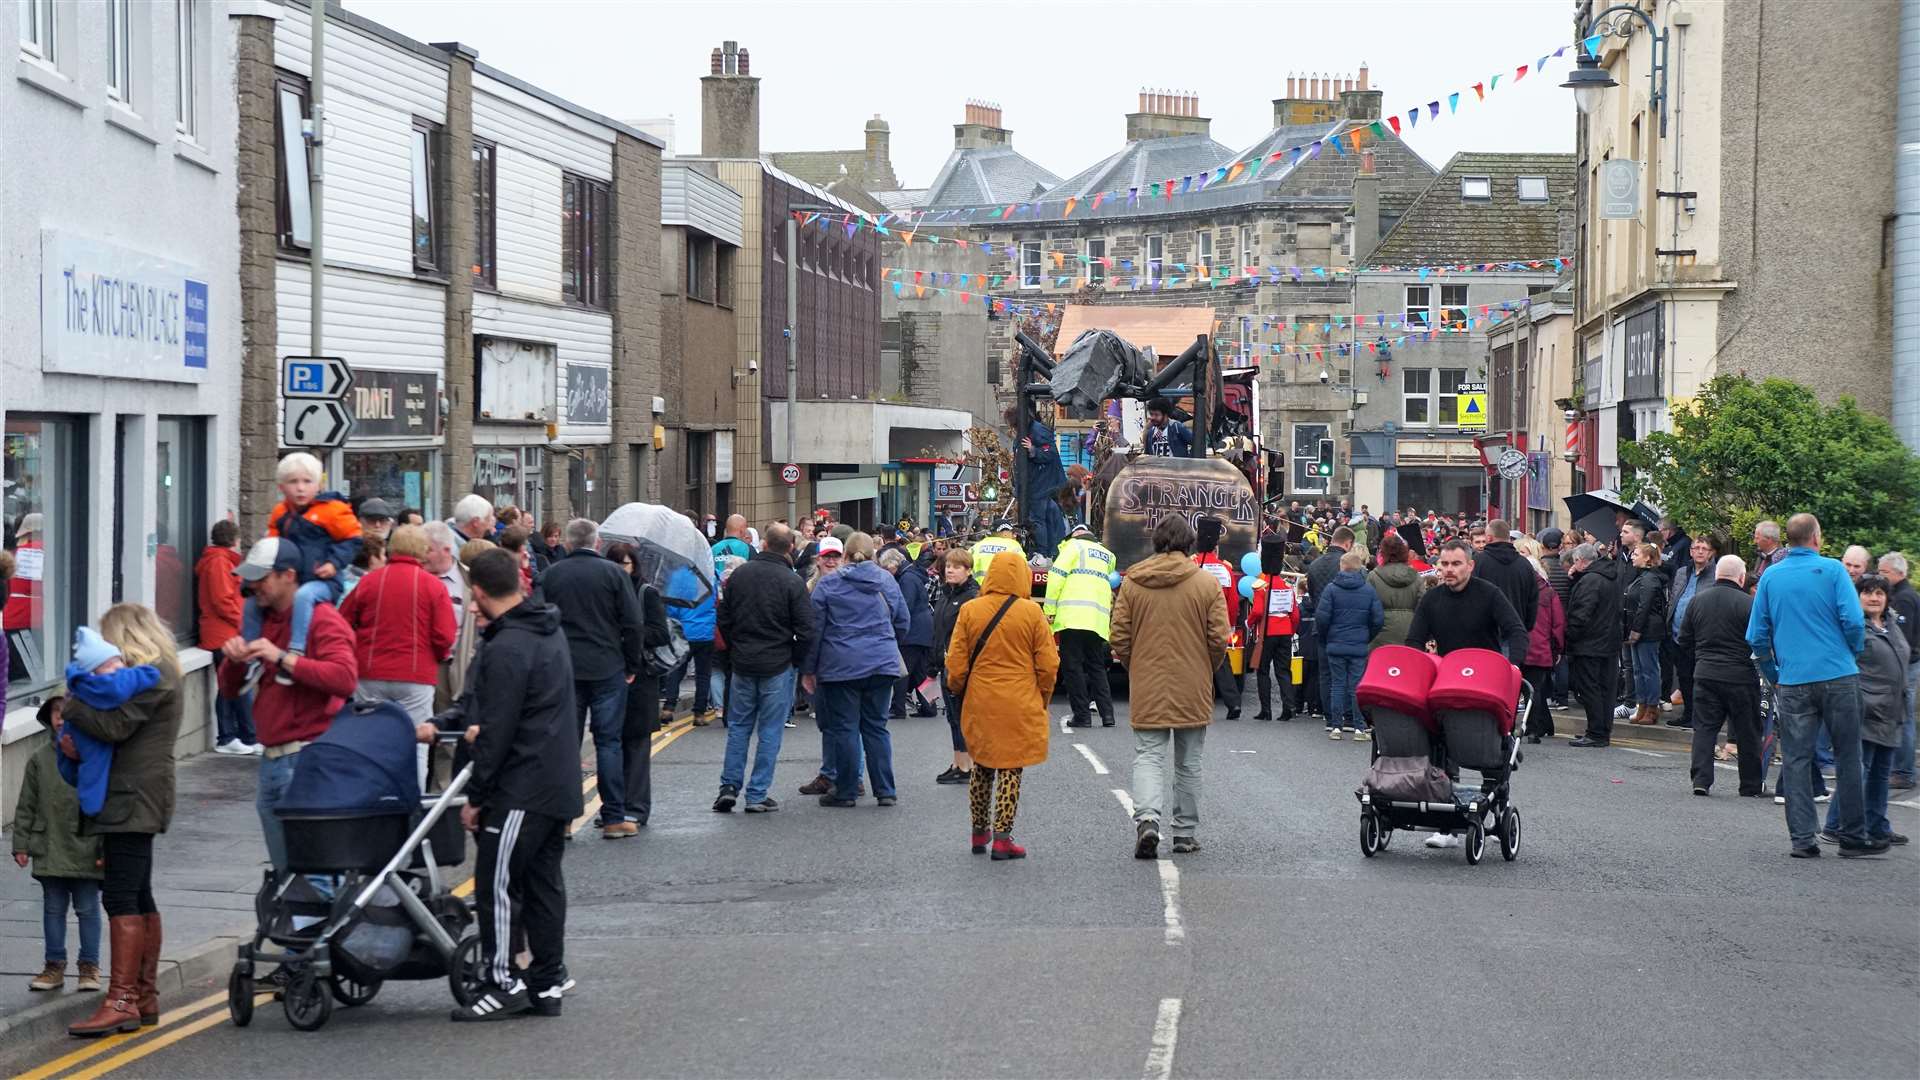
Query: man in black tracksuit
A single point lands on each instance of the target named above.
(1593, 640)
(1501, 564)
(524, 791)
(1725, 684)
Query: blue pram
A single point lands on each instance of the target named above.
(362, 899)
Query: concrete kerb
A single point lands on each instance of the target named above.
(34, 1027)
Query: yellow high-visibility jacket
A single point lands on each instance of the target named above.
(1080, 587)
(985, 550)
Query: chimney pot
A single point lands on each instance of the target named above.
(1363, 76)
(743, 61)
(716, 61)
(1290, 86)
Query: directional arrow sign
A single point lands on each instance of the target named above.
(319, 378)
(322, 424)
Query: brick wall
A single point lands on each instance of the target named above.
(258, 172)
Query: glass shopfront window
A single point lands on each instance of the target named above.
(512, 476)
(587, 486)
(180, 518)
(45, 487)
(403, 478)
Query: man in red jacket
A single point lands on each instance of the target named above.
(403, 628)
(288, 714)
(221, 607)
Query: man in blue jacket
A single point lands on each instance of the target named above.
(1045, 477)
(1807, 603)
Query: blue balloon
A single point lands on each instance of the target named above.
(1246, 588)
(1250, 564)
(1114, 579)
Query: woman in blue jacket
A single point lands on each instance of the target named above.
(1347, 619)
(861, 619)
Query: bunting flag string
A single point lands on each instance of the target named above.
(1121, 274)
(1242, 170)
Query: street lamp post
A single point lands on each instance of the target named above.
(1588, 78)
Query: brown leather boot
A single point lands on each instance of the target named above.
(149, 993)
(120, 1010)
(1645, 715)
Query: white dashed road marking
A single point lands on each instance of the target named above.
(1126, 800)
(1643, 753)
(1170, 901)
(1091, 759)
(1166, 1033)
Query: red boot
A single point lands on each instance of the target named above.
(980, 843)
(149, 992)
(121, 1009)
(1005, 848)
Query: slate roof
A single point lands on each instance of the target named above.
(823, 168)
(984, 175)
(1144, 161)
(1440, 227)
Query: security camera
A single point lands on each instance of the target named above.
(753, 366)
(1325, 376)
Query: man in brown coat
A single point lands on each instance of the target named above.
(1170, 602)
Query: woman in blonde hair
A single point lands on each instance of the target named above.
(138, 805)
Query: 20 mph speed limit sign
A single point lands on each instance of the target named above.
(789, 474)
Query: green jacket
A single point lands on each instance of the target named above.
(46, 823)
(1400, 588)
(140, 787)
(1080, 588)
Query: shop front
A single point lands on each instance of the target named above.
(1442, 475)
(395, 452)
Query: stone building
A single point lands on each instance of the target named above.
(1422, 333)
(1758, 232)
(858, 450)
(1531, 359)
(700, 243)
(491, 272)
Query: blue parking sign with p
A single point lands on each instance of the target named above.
(306, 378)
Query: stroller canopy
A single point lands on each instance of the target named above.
(1398, 677)
(363, 765)
(1478, 679)
(664, 543)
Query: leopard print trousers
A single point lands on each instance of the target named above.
(1004, 805)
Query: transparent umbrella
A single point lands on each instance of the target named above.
(672, 555)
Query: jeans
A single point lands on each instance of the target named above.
(700, 661)
(759, 705)
(416, 699)
(1876, 762)
(1344, 677)
(855, 715)
(1646, 672)
(309, 594)
(603, 702)
(275, 774)
(233, 719)
(1832, 706)
(83, 895)
(1903, 754)
(1049, 525)
(1150, 787)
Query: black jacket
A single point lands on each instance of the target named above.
(1477, 617)
(765, 617)
(1715, 628)
(527, 756)
(1501, 564)
(1646, 603)
(1556, 568)
(1320, 574)
(947, 602)
(1905, 603)
(600, 612)
(1593, 612)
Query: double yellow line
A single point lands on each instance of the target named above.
(193, 1018)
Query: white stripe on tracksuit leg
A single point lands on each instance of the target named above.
(502, 903)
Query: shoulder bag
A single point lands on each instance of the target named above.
(662, 659)
(973, 656)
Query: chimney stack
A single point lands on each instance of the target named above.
(1366, 207)
(1165, 114)
(983, 126)
(729, 106)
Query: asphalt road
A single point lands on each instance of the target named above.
(1642, 932)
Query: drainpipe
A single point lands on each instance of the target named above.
(1906, 234)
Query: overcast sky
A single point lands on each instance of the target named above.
(1065, 73)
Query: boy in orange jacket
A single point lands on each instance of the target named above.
(326, 532)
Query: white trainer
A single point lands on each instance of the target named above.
(1443, 840)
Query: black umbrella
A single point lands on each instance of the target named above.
(1588, 503)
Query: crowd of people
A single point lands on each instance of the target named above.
(488, 625)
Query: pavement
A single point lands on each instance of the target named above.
(1642, 932)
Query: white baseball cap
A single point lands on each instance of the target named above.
(832, 544)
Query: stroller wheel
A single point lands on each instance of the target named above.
(1386, 837)
(1510, 834)
(240, 991)
(348, 992)
(308, 1003)
(1476, 844)
(1369, 835)
(463, 971)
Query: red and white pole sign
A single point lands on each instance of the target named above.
(789, 474)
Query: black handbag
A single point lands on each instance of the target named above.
(662, 659)
(973, 657)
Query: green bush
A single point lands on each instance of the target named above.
(1743, 451)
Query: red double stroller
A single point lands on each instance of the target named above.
(1425, 712)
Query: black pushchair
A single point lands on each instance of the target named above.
(1468, 707)
(363, 900)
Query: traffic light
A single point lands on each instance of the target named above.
(1324, 466)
